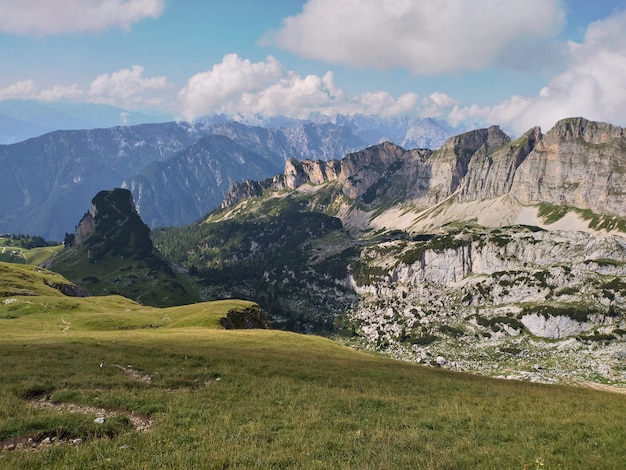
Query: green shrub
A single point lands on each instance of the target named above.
(245, 319)
(495, 324)
(575, 311)
(597, 337)
(451, 330)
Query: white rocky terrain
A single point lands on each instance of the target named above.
(542, 305)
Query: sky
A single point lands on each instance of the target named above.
(514, 63)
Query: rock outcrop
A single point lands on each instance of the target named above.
(113, 245)
(86, 226)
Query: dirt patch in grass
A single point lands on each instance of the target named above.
(39, 441)
(139, 421)
(599, 386)
(135, 374)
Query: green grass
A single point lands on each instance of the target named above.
(13, 254)
(149, 281)
(551, 213)
(282, 400)
(29, 280)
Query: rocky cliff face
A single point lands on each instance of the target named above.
(577, 163)
(86, 226)
(357, 172)
(538, 296)
(113, 227)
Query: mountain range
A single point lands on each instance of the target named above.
(481, 176)
(511, 250)
(177, 172)
(24, 119)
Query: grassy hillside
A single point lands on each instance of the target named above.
(178, 392)
(23, 249)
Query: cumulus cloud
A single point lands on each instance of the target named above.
(28, 89)
(427, 38)
(213, 90)
(592, 85)
(61, 92)
(127, 88)
(437, 104)
(46, 17)
(24, 89)
(238, 86)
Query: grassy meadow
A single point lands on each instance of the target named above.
(211, 398)
(15, 254)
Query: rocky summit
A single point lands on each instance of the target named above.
(499, 256)
(111, 252)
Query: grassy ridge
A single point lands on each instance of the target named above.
(282, 400)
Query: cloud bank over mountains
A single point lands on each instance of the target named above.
(425, 38)
(237, 86)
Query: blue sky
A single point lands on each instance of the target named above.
(517, 63)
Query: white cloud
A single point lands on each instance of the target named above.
(592, 86)
(29, 90)
(425, 37)
(126, 88)
(379, 103)
(213, 91)
(60, 92)
(237, 86)
(45, 17)
(24, 89)
(437, 104)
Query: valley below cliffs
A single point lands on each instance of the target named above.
(489, 255)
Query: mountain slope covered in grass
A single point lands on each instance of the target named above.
(173, 390)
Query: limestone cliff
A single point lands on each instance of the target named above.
(86, 226)
(555, 297)
(450, 165)
(578, 163)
